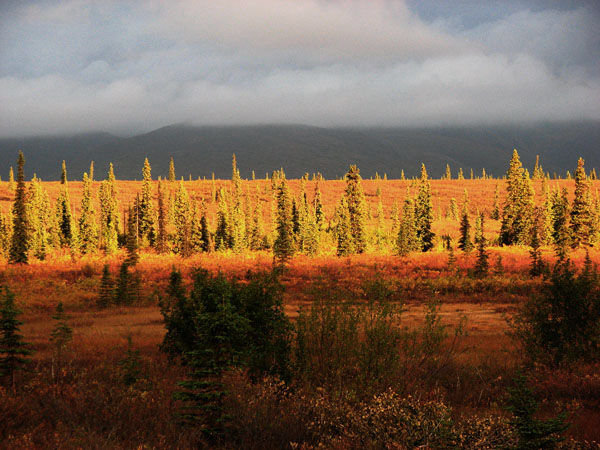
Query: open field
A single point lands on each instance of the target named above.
(474, 384)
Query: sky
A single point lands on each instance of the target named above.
(74, 66)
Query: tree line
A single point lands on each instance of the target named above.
(169, 220)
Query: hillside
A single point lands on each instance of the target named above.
(298, 149)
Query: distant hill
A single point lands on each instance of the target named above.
(199, 151)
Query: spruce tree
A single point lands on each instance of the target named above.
(182, 222)
(61, 337)
(453, 210)
(125, 286)
(318, 205)
(464, 242)
(63, 173)
(105, 296)
(109, 214)
(161, 238)
(91, 176)
(380, 227)
(13, 349)
(11, 179)
(222, 233)
(343, 230)
(283, 247)
(131, 238)
(424, 212)
(64, 218)
(560, 219)
(537, 263)
(581, 209)
(496, 207)
(88, 230)
(356, 205)
(20, 239)
(205, 238)
(237, 219)
(482, 265)
(172, 170)
(5, 235)
(518, 208)
(408, 240)
(146, 215)
(39, 220)
(448, 172)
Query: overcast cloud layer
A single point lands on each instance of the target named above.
(125, 67)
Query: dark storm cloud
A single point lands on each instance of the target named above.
(81, 65)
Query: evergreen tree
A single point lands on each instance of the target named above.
(20, 241)
(496, 208)
(460, 174)
(517, 212)
(283, 247)
(408, 239)
(5, 235)
(91, 176)
(146, 215)
(453, 210)
(205, 239)
(63, 173)
(424, 212)
(61, 337)
(355, 200)
(172, 170)
(13, 349)
(318, 205)
(222, 233)
(105, 297)
(64, 218)
(482, 265)
(182, 222)
(380, 227)
(131, 238)
(237, 219)
(464, 242)
(537, 263)
(161, 238)
(448, 172)
(109, 214)
(11, 179)
(560, 218)
(125, 289)
(581, 210)
(343, 230)
(88, 231)
(39, 220)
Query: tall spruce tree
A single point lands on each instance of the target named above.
(64, 218)
(517, 214)
(237, 219)
(283, 247)
(109, 214)
(20, 238)
(222, 232)
(172, 170)
(5, 234)
(182, 222)
(63, 173)
(581, 209)
(560, 218)
(131, 238)
(146, 215)
(424, 212)
(482, 264)
(356, 205)
(407, 240)
(161, 238)
(13, 349)
(88, 230)
(343, 232)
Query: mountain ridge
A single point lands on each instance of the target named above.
(202, 150)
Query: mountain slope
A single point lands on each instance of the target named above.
(298, 149)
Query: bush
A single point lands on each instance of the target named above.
(562, 325)
(361, 349)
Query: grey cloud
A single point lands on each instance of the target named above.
(85, 65)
